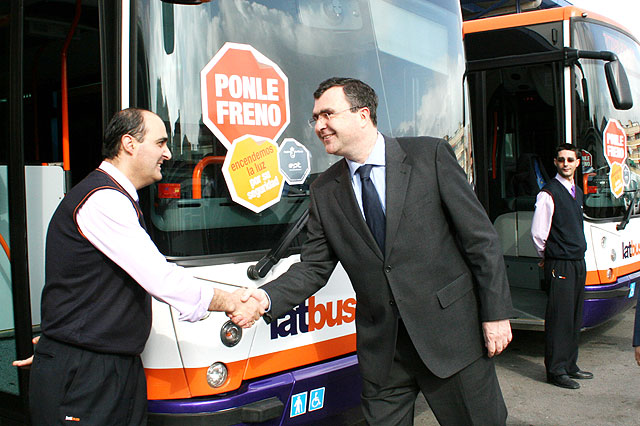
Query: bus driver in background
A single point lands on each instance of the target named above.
(558, 235)
(422, 256)
(101, 268)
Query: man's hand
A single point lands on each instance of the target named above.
(247, 309)
(497, 335)
(26, 362)
(250, 297)
(259, 295)
(637, 348)
(244, 314)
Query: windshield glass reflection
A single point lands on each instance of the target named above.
(410, 52)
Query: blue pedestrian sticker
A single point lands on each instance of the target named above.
(298, 404)
(316, 399)
(632, 289)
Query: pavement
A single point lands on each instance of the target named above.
(612, 397)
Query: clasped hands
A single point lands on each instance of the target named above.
(246, 306)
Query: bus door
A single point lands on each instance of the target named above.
(519, 110)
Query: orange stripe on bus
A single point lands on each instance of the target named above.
(599, 277)
(297, 357)
(530, 18)
(166, 383)
(175, 383)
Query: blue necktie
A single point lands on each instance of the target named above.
(371, 205)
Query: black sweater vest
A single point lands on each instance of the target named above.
(566, 238)
(88, 300)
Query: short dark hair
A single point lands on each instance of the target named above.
(129, 121)
(358, 93)
(568, 147)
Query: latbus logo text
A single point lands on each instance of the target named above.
(303, 318)
(630, 250)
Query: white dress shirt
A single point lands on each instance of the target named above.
(541, 225)
(377, 158)
(109, 221)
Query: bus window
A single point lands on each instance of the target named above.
(308, 45)
(594, 109)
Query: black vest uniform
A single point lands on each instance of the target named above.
(95, 322)
(565, 275)
(566, 237)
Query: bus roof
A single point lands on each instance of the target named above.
(533, 17)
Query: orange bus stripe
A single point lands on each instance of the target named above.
(297, 357)
(599, 277)
(166, 383)
(174, 383)
(531, 18)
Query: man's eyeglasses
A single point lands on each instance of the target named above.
(326, 116)
(565, 160)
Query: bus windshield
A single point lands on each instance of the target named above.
(595, 111)
(409, 51)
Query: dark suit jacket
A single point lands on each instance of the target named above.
(442, 269)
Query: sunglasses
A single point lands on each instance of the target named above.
(566, 160)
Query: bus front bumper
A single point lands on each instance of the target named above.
(603, 302)
(268, 401)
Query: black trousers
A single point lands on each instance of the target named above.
(563, 319)
(71, 385)
(470, 397)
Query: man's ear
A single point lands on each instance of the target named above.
(128, 144)
(365, 115)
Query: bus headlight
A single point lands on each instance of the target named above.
(603, 242)
(217, 374)
(230, 334)
(613, 255)
(609, 273)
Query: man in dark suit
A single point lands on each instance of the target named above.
(426, 266)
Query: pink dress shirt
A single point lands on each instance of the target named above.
(541, 224)
(110, 223)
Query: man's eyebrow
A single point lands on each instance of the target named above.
(329, 110)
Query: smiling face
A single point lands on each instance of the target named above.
(150, 152)
(343, 133)
(566, 163)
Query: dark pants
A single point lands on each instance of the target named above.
(565, 287)
(470, 397)
(70, 385)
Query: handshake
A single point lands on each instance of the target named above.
(245, 306)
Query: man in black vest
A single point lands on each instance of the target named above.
(558, 235)
(101, 271)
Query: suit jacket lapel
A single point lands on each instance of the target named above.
(346, 200)
(397, 180)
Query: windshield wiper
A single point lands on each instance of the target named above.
(627, 214)
(264, 265)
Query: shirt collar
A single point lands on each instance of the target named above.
(119, 177)
(565, 182)
(377, 156)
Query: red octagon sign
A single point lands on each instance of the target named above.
(244, 93)
(614, 139)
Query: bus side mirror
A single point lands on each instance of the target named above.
(618, 85)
